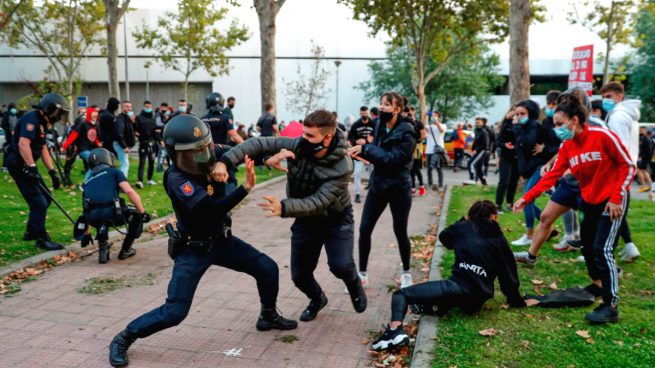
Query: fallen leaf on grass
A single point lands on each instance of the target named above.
(504, 306)
(488, 332)
(583, 333)
(537, 291)
(365, 341)
(553, 286)
(537, 282)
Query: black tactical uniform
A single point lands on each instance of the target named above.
(220, 125)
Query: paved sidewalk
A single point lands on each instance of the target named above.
(49, 323)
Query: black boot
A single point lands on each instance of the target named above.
(48, 245)
(270, 319)
(123, 254)
(118, 348)
(603, 313)
(103, 252)
(309, 314)
(28, 235)
(358, 296)
(86, 240)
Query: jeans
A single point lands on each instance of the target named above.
(189, 267)
(531, 211)
(570, 220)
(429, 169)
(399, 200)
(360, 167)
(123, 158)
(308, 236)
(508, 180)
(85, 156)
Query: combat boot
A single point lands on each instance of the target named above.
(310, 313)
(118, 348)
(358, 296)
(48, 245)
(270, 319)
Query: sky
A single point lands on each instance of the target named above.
(336, 30)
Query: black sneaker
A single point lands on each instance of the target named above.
(602, 314)
(309, 314)
(118, 348)
(594, 290)
(391, 338)
(270, 319)
(126, 254)
(48, 245)
(86, 240)
(358, 297)
(357, 199)
(575, 243)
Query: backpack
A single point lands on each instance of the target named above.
(455, 135)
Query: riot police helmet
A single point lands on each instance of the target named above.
(189, 144)
(54, 106)
(100, 158)
(215, 101)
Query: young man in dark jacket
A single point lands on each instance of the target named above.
(124, 134)
(508, 171)
(149, 138)
(481, 255)
(480, 152)
(360, 132)
(106, 129)
(318, 175)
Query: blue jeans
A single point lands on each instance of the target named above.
(123, 158)
(531, 211)
(84, 155)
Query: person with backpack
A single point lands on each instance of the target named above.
(124, 135)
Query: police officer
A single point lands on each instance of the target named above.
(28, 144)
(221, 125)
(203, 237)
(103, 208)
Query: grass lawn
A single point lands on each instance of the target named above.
(14, 210)
(536, 337)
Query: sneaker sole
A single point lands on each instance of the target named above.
(384, 345)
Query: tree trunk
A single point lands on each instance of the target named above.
(519, 69)
(267, 11)
(423, 107)
(186, 89)
(114, 14)
(70, 93)
(608, 43)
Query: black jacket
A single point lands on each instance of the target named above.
(482, 254)
(315, 187)
(506, 135)
(391, 154)
(551, 142)
(481, 141)
(124, 131)
(146, 126)
(106, 128)
(527, 136)
(360, 130)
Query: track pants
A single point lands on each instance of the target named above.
(599, 239)
(477, 163)
(508, 180)
(443, 294)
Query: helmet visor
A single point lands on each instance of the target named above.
(196, 161)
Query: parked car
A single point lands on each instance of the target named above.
(448, 142)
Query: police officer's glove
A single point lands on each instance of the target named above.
(31, 173)
(145, 217)
(56, 183)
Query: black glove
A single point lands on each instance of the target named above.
(145, 216)
(56, 183)
(32, 173)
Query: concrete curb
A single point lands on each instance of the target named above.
(114, 236)
(427, 330)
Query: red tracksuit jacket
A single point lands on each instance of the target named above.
(599, 161)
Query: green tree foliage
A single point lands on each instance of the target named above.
(188, 39)
(434, 32)
(64, 31)
(462, 89)
(642, 80)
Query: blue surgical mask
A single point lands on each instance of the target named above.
(563, 133)
(608, 104)
(181, 108)
(167, 112)
(523, 120)
(148, 111)
(595, 116)
(130, 113)
(549, 112)
(13, 111)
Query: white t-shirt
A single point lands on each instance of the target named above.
(433, 133)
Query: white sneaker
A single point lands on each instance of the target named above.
(563, 245)
(522, 241)
(152, 182)
(581, 259)
(139, 184)
(469, 182)
(363, 278)
(405, 280)
(630, 253)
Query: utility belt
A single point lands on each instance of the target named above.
(118, 204)
(177, 241)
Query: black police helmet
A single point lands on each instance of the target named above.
(189, 144)
(215, 101)
(54, 106)
(101, 156)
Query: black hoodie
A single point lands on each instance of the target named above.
(106, 130)
(481, 255)
(146, 126)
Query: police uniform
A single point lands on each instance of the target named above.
(103, 208)
(32, 126)
(220, 123)
(203, 238)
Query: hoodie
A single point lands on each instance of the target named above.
(624, 121)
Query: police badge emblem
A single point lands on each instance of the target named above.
(197, 132)
(210, 190)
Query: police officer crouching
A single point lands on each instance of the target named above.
(103, 208)
(203, 237)
(28, 144)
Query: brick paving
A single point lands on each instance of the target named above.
(49, 323)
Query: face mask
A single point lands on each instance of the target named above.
(181, 108)
(549, 112)
(385, 117)
(148, 111)
(130, 113)
(608, 104)
(230, 106)
(523, 120)
(595, 116)
(167, 112)
(563, 133)
(311, 148)
(13, 111)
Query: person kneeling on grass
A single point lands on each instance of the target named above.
(481, 254)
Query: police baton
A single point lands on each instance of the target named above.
(49, 195)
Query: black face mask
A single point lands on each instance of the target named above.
(230, 106)
(310, 148)
(385, 117)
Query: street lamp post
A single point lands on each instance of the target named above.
(127, 78)
(337, 63)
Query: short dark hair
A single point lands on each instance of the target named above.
(269, 106)
(374, 110)
(363, 108)
(551, 96)
(395, 99)
(335, 114)
(481, 211)
(146, 102)
(164, 104)
(322, 119)
(483, 120)
(231, 98)
(125, 101)
(437, 113)
(181, 100)
(613, 87)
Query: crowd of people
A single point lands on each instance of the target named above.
(584, 152)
